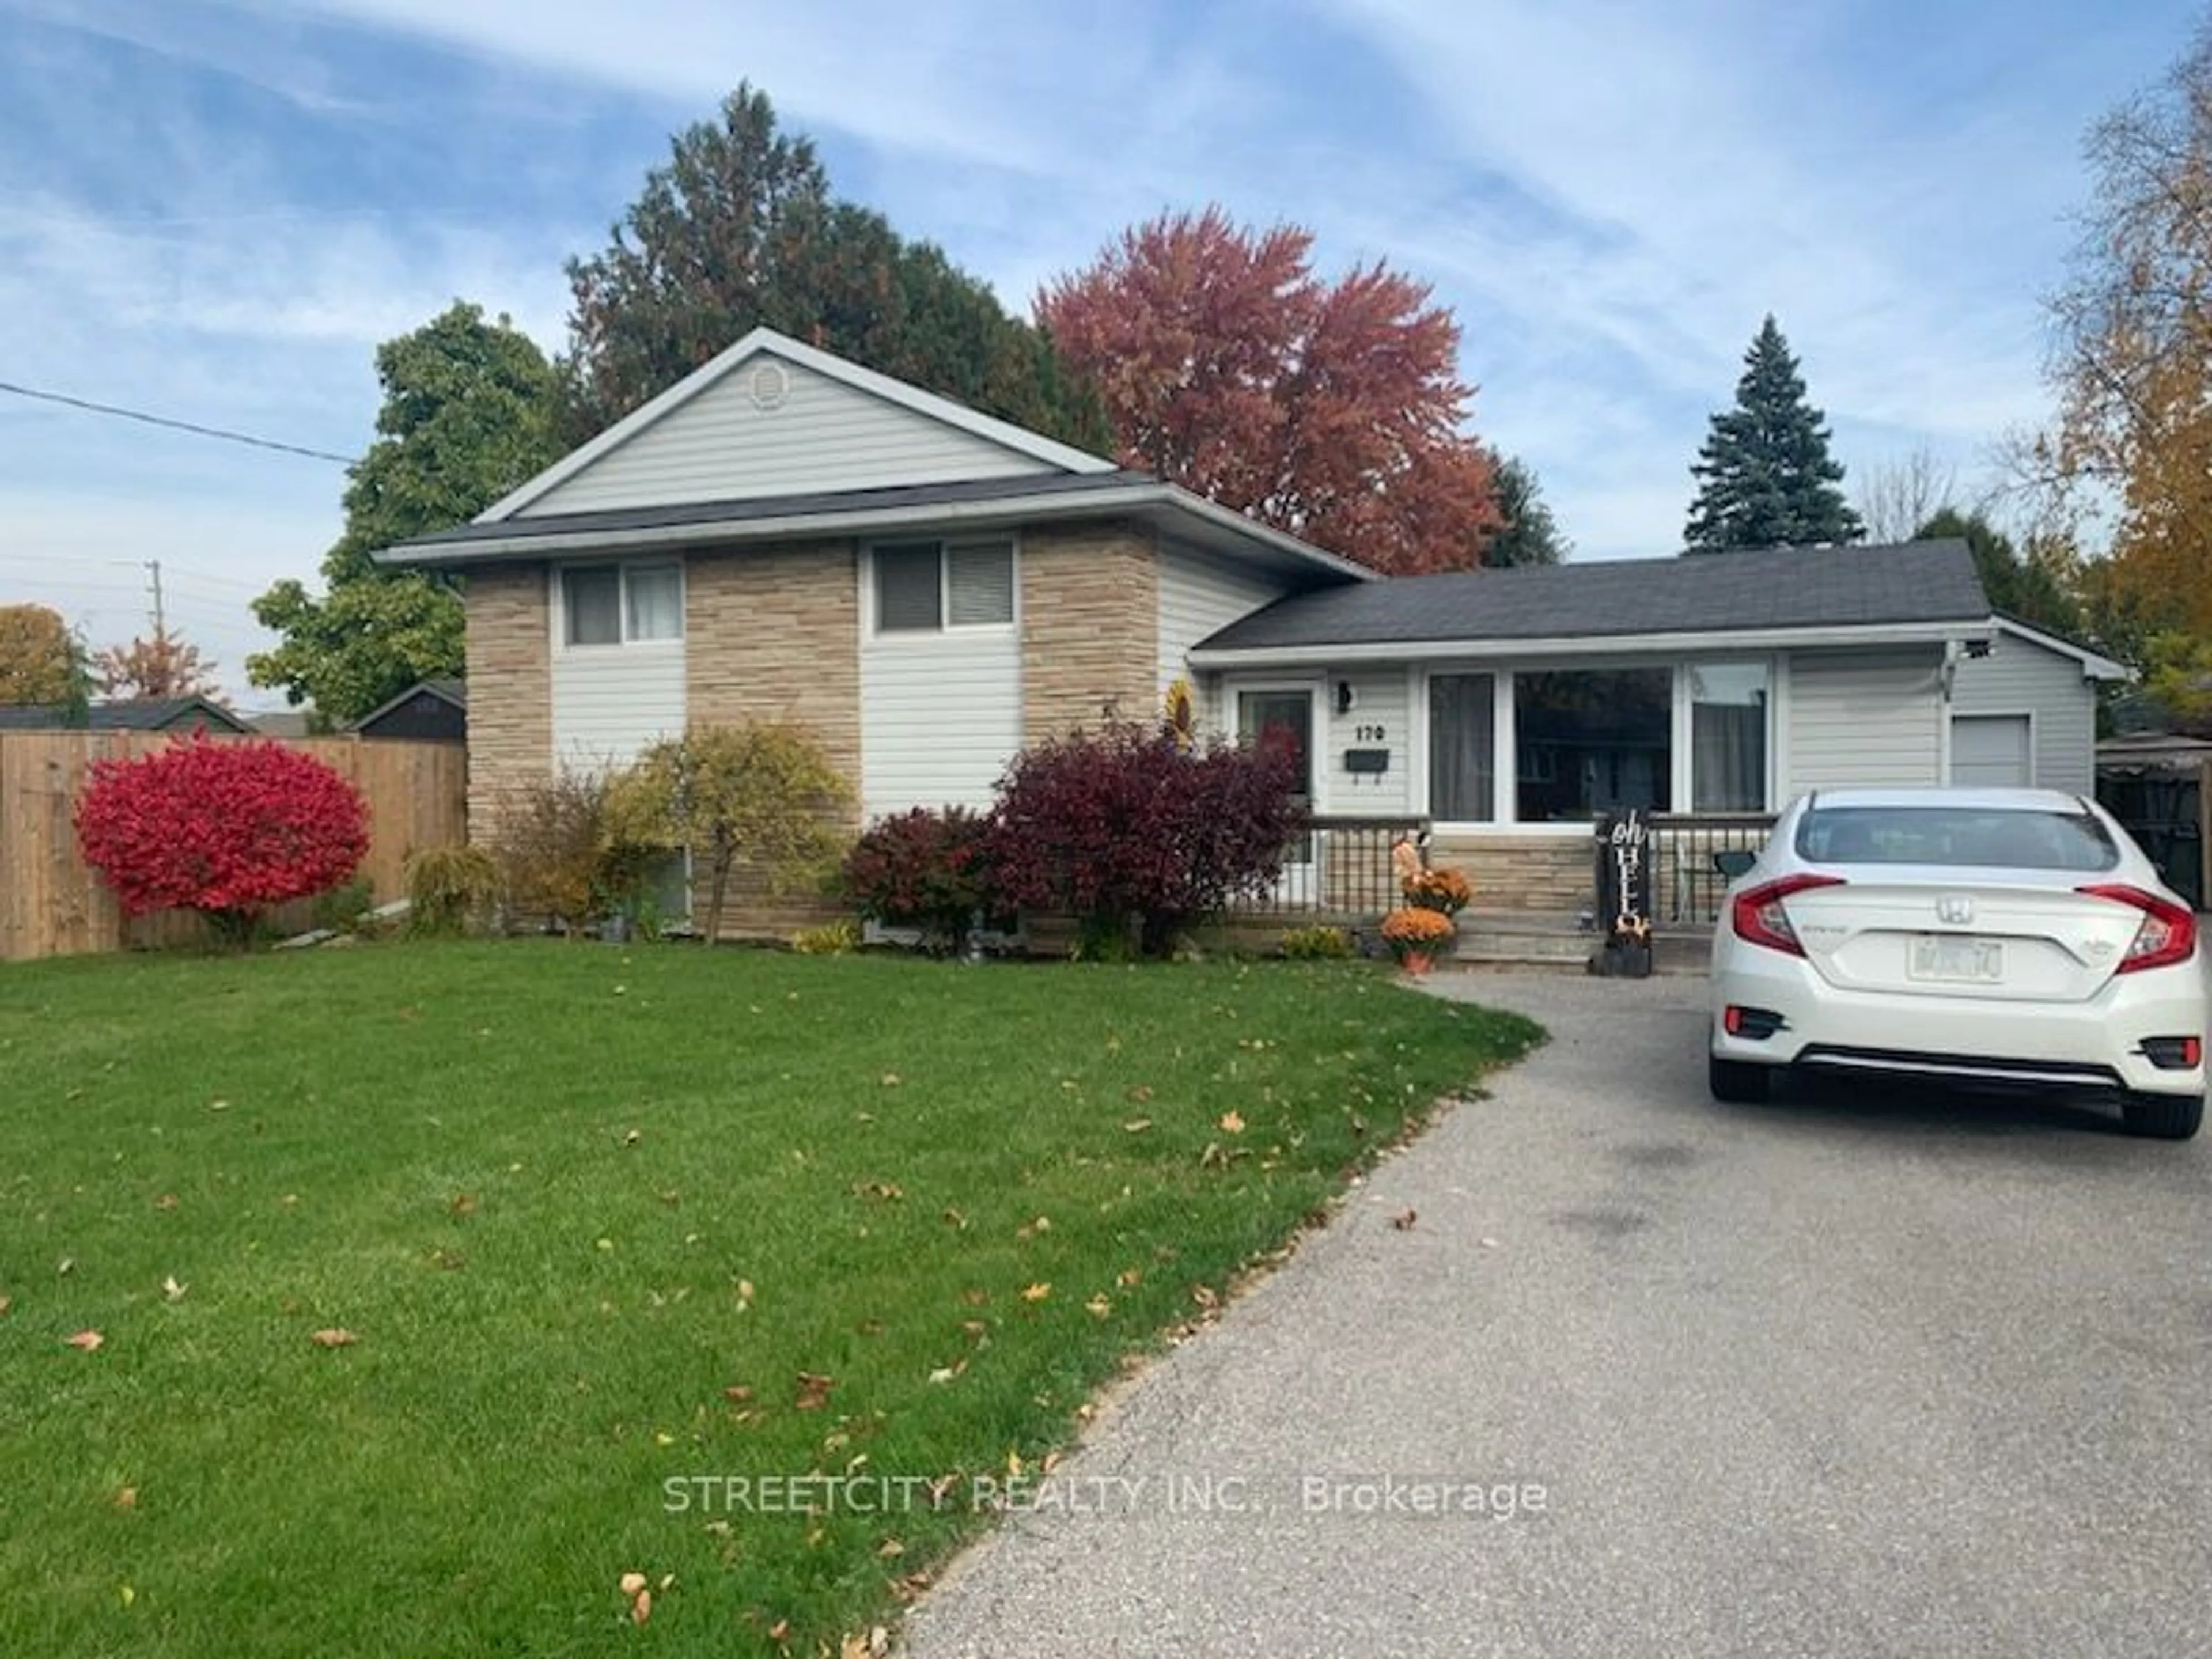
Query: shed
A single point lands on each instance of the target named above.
(429, 711)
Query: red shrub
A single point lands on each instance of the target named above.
(1139, 837)
(224, 829)
(923, 869)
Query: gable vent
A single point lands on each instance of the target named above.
(769, 385)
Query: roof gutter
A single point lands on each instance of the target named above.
(1153, 500)
(1761, 639)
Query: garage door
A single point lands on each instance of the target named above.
(1990, 749)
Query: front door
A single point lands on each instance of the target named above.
(1286, 717)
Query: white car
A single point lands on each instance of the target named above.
(2011, 936)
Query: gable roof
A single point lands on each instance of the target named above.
(973, 504)
(2094, 665)
(454, 691)
(126, 714)
(1913, 589)
(767, 343)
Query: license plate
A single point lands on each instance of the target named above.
(1951, 960)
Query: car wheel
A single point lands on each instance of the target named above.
(1742, 1082)
(2163, 1117)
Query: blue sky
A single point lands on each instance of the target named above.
(215, 210)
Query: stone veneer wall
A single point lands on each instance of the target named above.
(510, 676)
(1091, 623)
(773, 634)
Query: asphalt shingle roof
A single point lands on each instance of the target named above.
(1771, 588)
(130, 715)
(671, 515)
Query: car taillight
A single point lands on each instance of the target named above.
(1758, 919)
(2166, 934)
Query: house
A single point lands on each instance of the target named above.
(785, 534)
(178, 714)
(429, 711)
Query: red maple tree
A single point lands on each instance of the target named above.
(1333, 410)
(225, 828)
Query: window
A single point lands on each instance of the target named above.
(621, 604)
(1728, 736)
(1588, 741)
(1957, 836)
(926, 587)
(1463, 772)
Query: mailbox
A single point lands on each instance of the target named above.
(1367, 763)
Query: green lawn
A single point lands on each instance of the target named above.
(589, 1214)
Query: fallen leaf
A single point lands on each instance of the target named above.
(737, 1392)
(1489, 1243)
(1099, 1305)
(632, 1138)
(813, 1391)
(975, 1328)
(1035, 1292)
(641, 1608)
(173, 1290)
(125, 1595)
(975, 1298)
(126, 1497)
(884, 1190)
(86, 1341)
(166, 1201)
(333, 1336)
(779, 1630)
(1404, 1223)
(1232, 1124)
(1129, 1278)
(1137, 1126)
(1141, 1094)
(449, 1261)
(6, 1303)
(955, 1219)
(1204, 1295)
(943, 1374)
(464, 1204)
(632, 1583)
(890, 1079)
(744, 1289)
(65, 1267)
(890, 1548)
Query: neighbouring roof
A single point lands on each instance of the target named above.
(128, 714)
(1909, 589)
(976, 504)
(453, 691)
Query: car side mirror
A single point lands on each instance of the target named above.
(1733, 861)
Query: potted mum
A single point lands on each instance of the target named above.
(1416, 935)
(1443, 889)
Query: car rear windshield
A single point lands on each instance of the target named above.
(1980, 835)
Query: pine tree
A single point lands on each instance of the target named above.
(1766, 477)
(1531, 533)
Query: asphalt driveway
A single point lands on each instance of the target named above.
(1866, 1372)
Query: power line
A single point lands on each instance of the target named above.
(192, 427)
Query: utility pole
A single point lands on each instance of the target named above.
(161, 618)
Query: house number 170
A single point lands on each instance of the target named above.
(1370, 734)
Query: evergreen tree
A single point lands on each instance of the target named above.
(1765, 476)
(740, 230)
(2024, 586)
(1531, 535)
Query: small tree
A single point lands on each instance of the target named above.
(39, 659)
(159, 665)
(1139, 837)
(757, 793)
(923, 869)
(224, 829)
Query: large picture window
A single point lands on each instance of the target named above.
(1728, 736)
(1587, 741)
(622, 603)
(1462, 738)
(927, 587)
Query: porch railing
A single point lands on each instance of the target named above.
(1687, 887)
(1339, 868)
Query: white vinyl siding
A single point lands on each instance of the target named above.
(1865, 718)
(1202, 593)
(609, 704)
(2020, 677)
(940, 716)
(1378, 701)
(724, 444)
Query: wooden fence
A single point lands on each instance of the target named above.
(52, 904)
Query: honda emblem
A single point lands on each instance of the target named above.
(1954, 907)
